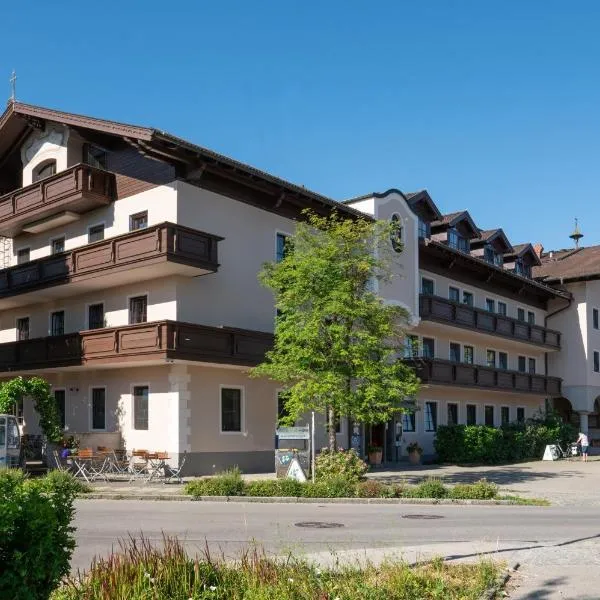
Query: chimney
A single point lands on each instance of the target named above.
(538, 249)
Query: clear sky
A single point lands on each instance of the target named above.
(492, 105)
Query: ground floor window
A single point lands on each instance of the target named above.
(489, 416)
(98, 408)
(408, 421)
(430, 416)
(59, 397)
(471, 414)
(520, 414)
(140, 407)
(231, 410)
(504, 415)
(452, 414)
(282, 411)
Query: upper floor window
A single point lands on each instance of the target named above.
(521, 314)
(468, 298)
(502, 308)
(532, 366)
(138, 310)
(46, 169)
(411, 346)
(427, 287)
(493, 257)
(57, 323)
(96, 233)
(522, 269)
(490, 305)
(396, 233)
(94, 156)
(280, 250)
(96, 316)
(428, 347)
(596, 361)
(58, 245)
(23, 256)
(424, 229)
(138, 221)
(454, 294)
(521, 364)
(455, 240)
(531, 317)
(23, 329)
(595, 318)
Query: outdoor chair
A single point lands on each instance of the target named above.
(60, 463)
(138, 464)
(174, 473)
(119, 463)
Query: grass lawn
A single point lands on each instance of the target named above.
(142, 572)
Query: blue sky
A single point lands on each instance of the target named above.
(492, 105)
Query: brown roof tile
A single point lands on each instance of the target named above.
(576, 263)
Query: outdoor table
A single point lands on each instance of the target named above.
(156, 463)
(86, 466)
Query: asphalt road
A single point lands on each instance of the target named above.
(553, 543)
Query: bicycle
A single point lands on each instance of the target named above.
(571, 451)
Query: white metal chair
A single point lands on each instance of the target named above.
(174, 473)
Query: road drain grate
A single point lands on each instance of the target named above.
(422, 517)
(319, 524)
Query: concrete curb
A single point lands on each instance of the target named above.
(501, 582)
(295, 500)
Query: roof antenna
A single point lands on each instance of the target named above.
(576, 235)
(13, 86)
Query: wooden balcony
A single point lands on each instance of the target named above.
(436, 371)
(145, 342)
(147, 253)
(442, 310)
(77, 190)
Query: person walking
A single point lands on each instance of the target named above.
(583, 440)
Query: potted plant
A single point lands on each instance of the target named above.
(414, 453)
(375, 454)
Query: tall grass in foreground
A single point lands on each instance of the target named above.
(143, 572)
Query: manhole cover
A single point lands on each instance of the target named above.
(319, 524)
(422, 517)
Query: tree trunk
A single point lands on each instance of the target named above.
(331, 428)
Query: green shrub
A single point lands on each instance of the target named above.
(430, 488)
(66, 481)
(333, 487)
(343, 463)
(266, 488)
(289, 487)
(480, 490)
(36, 537)
(227, 483)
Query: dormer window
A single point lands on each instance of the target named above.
(522, 269)
(46, 169)
(424, 229)
(493, 257)
(457, 241)
(94, 156)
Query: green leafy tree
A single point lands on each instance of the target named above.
(336, 341)
(38, 389)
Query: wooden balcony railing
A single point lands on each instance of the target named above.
(436, 371)
(161, 243)
(159, 340)
(442, 310)
(78, 189)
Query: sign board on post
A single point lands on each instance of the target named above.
(296, 446)
(294, 433)
(295, 471)
(550, 453)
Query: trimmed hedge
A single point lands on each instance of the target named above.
(36, 537)
(462, 444)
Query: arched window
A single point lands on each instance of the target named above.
(45, 169)
(396, 232)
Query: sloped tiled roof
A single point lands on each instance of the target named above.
(573, 264)
(449, 218)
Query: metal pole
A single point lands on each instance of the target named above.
(312, 447)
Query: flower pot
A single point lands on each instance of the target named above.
(376, 457)
(414, 458)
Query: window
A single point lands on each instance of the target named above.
(491, 358)
(595, 318)
(454, 294)
(138, 221)
(452, 414)
(98, 408)
(471, 414)
(57, 323)
(531, 317)
(503, 360)
(502, 308)
(468, 298)
(596, 361)
(522, 269)
(46, 169)
(96, 316)
(504, 415)
(18, 411)
(490, 305)
(59, 397)
(408, 421)
(493, 257)
(23, 256)
(140, 407)
(520, 414)
(468, 353)
(532, 365)
(94, 156)
(424, 229)
(96, 233)
(411, 346)
(282, 411)
(430, 416)
(280, 249)
(22, 329)
(231, 410)
(57, 245)
(428, 347)
(427, 287)
(522, 362)
(520, 314)
(454, 352)
(396, 233)
(138, 309)
(455, 240)
(489, 416)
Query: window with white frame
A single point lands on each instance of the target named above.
(427, 286)
(22, 329)
(452, 413)
(531, 317)
(428, 347)
(430, 416)
(231, 410)
(520, 314)
(57, 323)
(489, 415)
(520, 414)
(138, 310)
(491, 358)
(454, 352)
(57, 245)
(471, 414)
(490, 305)
(138, 221)
(522, 364)
(140, 407)
(502, 308)
(411, 346)
(408, 421)
(595, 318)
(504, 415)
(467, 298)
(596, 361)
(280, 246)
(532, 366)
(96, 233)
(454, 294)
(98, 408)
(468, 354)
(503, 360)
